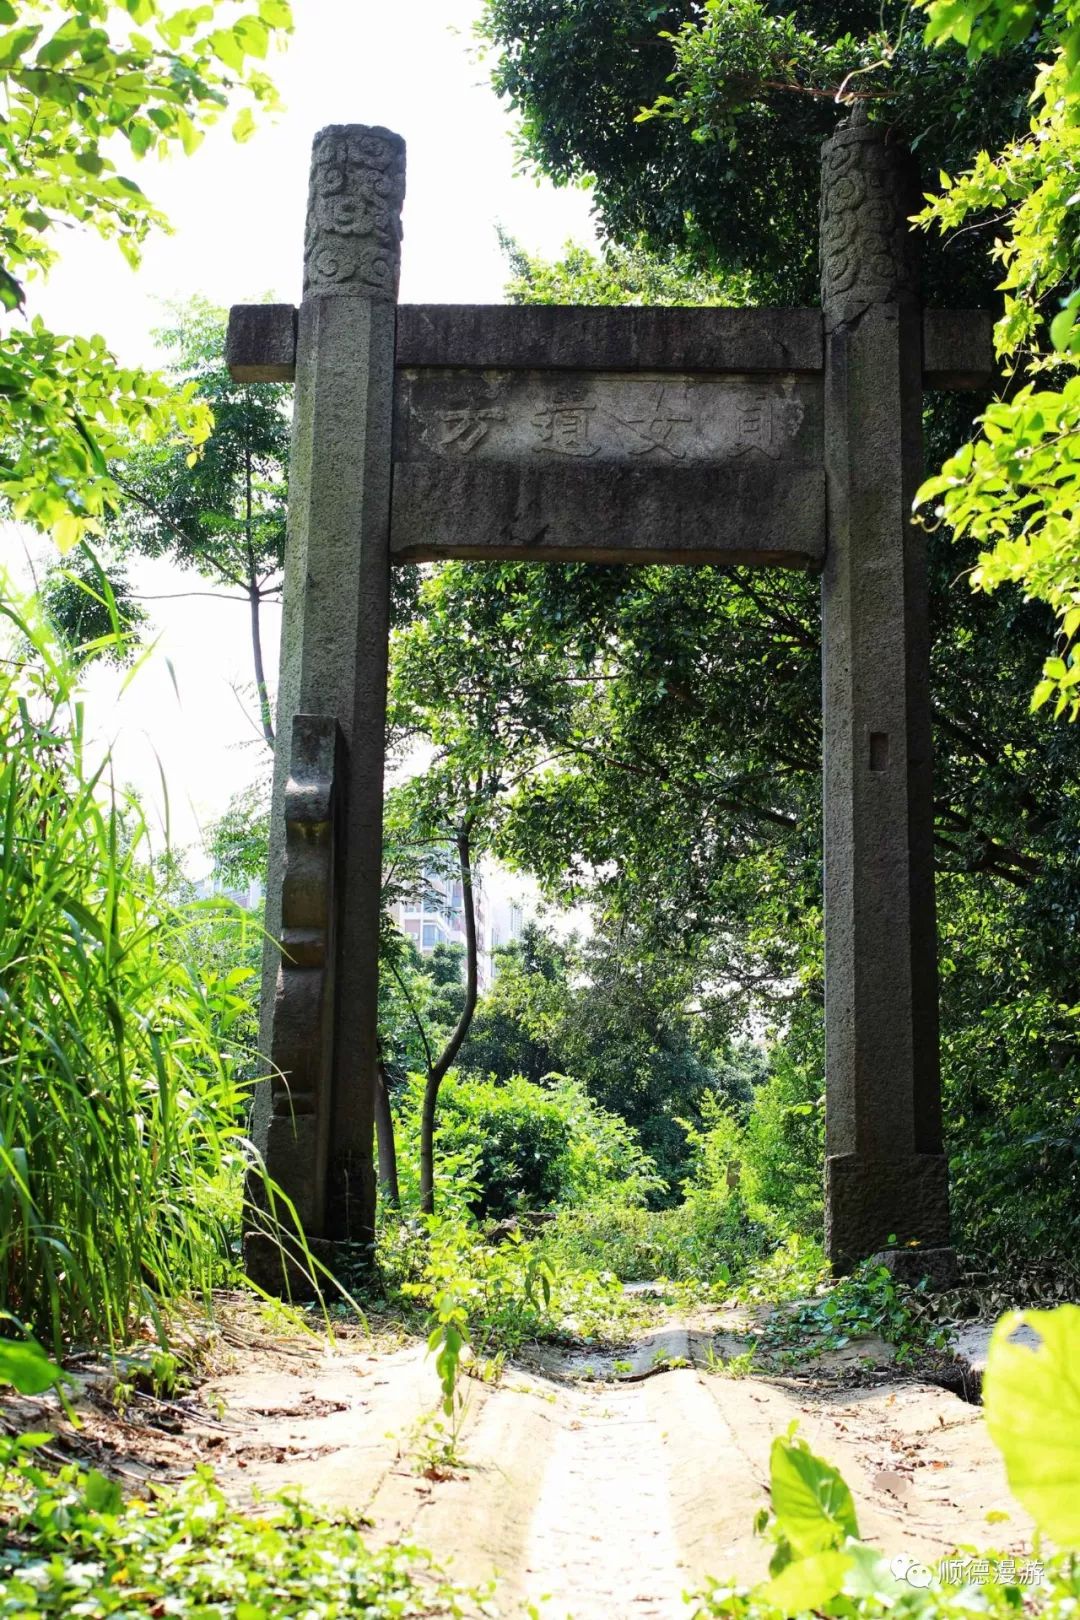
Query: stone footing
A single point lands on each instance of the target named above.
(938, 1268)
(283, 1271)
(874, 1206)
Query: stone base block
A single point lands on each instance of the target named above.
(282, 1270)
(938, 1268)
(872, 1205)
(277, 1270)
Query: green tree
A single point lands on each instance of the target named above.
(87, 85)
(93, 613)
(620, 275)
(475, 715)
(221, 514)
(1015, 487)
(518, 1021)
(624, 1022)
(737, 96)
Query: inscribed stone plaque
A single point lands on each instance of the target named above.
(531, 417)
(608, 467)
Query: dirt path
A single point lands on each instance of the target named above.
(596, 1500)
(586, 1517)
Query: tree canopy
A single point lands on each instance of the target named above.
(85, 81)
(698, 127)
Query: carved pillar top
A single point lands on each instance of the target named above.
(352, 245)
(869, 252)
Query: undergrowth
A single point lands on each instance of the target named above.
(122, 1012)
(73, 1546)
(510, 1292)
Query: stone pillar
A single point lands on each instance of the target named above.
(886, 1175)
(333, 669)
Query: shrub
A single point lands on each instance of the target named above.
(708, 1241)
(775, 1156)
(506, 1147)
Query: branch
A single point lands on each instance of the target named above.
(176, 529)
(403, 987)
(461, 1029)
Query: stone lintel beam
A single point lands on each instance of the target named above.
(754, 516)
(260, 344)
(958, 350)
(550, 337)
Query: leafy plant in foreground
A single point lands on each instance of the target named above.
(820, 1564)
(73, 1545)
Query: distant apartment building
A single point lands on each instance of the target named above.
(438, 918)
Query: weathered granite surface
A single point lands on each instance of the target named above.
(352, 244)
(334, 647)
(554, 337)
(610, 513)
(621, 435)
(886, 1176)
(958, 346)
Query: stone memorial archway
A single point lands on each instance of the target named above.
(786, 438)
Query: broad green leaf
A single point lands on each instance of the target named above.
(1062, 328)
(1032, 1399)
(812, 1503)
(11, 294)
(101, 1494)
(16, 44)
(243, 125)
(26, 1366)
(808, 1583)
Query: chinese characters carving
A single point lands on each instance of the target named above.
(563, 429)
(653, 429)
(466, 427)
(641, 421)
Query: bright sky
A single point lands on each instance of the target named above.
(238, 218)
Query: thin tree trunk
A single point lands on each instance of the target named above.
(384, 1134)
(255, 599)
(260, 673)
(437, 1072)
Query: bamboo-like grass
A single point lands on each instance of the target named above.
(122, 1110)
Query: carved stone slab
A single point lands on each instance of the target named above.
(579, 466)
(302, 1031)
(535, 418)
(869, 254)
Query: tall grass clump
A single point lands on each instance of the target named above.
(122, 1146)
